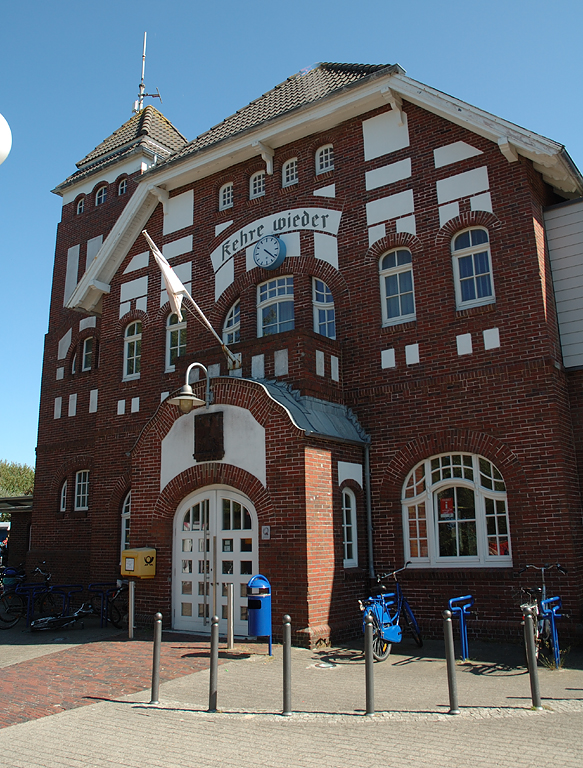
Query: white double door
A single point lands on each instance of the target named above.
(215, 544)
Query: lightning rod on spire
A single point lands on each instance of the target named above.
(139, 103)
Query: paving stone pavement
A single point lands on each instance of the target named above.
(496, 726)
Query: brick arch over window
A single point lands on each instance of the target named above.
(469, 219)
(134, 315)
(67, 471)
(300, 265)
(390, 243)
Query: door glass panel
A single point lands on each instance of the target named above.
(187, 566)
(228, 566)
(246, 545)
(246, 567)
(236, 516)
(187, 545)
(226, 515)
(186, 522)
(227, 545)
(244, 590)
(186, 609)
(187, 587)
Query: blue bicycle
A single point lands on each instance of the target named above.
(387, 611)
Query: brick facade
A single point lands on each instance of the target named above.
(513, 404)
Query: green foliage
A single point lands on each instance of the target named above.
(16, 479)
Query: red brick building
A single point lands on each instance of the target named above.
(397, 272)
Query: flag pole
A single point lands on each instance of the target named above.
(177, 291)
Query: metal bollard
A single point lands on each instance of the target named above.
(531, 658)
(156, 660)
(287, 710)
(214, 664)
(450, 659)
(230, 616)
(369, 664)
(131, 608)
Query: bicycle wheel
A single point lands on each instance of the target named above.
(118, 610)
(411, 623)
(380, 647)
(48, 605)
(11, 610)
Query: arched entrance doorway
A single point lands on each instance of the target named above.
(215, 543)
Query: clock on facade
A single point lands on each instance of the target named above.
(269, 252)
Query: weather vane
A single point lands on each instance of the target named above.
(139, 103)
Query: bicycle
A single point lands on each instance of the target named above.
(20, 598)
(544, 612)
(62, 620)
(111, 600)
(387, 610)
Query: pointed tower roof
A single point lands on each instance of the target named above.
(146, 132)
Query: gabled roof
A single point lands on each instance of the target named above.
(148, 129)
(305, 87)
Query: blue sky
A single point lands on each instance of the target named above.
(70, 73)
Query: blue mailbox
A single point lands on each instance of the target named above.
(259, 608)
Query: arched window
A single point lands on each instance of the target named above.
(82, 490)
(126, 510)
(472, 269)
(74, 364)
(87, 356)
(226, 196)
(349, 528)
(63, 497)
(324, 314)
(100, 195)
(397, 295)
(122, 187)
(455, 512)
(289, 172)
(325, 159)
(257, 185)
(232, 326)
(175, 340)
(275, 306)
(132, 357)
(80, 205)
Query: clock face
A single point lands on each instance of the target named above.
(269, 252)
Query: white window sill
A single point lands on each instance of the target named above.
(399, 321)
(472, 304)
(132, 377)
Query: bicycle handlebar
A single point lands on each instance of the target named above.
(546, 567)
(383, 576)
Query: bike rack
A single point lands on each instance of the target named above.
(65, 591)
(550, 612)
(462, 611)
(104, 589)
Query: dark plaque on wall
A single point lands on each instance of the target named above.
(209, 444)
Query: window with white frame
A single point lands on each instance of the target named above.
(63, 497)
(455, 513)
(80, 205)
(122, 187)
(132, 356)
(324, 314)
(175, 340)
(474, 284)
(325, 159)
(275, 306)
(289, 172)
(74, 364)
(349, 528)
(87, 354)
(100, 195)
(126, 511)
(232, 326)
(257, 185)
(82, 490)
(226, 196)
(397, 293)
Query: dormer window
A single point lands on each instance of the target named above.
(100, 195)
(325, 159)
(257, 185)
(80, 205)
(226, 196)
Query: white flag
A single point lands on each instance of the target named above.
(174, 288)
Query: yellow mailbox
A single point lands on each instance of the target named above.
(140, 562)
